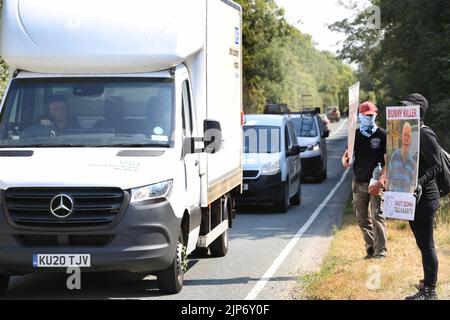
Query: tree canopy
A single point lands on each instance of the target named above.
(410, 53)
(281, 64)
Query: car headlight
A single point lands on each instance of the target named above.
(271, 169)
(151, 192)
(314, 147)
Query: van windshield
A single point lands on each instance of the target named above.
(262, 139)
(88, 112)
(305, 127)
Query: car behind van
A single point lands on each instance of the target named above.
(271, 162)
(312, 136)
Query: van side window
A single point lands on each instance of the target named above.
(321, 126)
(187, 109)
(293, 135)
(287, 139)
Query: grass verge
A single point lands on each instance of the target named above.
(344, 274)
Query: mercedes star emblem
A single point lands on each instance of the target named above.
(61, 206)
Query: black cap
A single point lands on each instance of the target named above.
(417, 99)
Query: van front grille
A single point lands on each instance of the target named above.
(91, 207)
(33, 241)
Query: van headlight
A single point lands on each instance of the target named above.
(151, 192)
(314, 147)
(271, 169)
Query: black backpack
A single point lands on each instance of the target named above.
(443, 178)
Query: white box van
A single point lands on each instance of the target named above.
(120, 134)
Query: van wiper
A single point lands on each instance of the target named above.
(44, 145)
(137, 145)
(73, 145)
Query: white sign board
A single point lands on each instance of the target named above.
(399, 205)
(353, 98)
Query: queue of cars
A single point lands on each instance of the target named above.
(312, 138)
(333, 114)
(282, 149)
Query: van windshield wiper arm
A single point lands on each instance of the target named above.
(136, 145)
(44, 145)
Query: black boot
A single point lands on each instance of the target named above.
(426, 293)
(370, 253)
(420, 285)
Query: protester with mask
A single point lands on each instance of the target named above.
(427, 194)
(369, 151)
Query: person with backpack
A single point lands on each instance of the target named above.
(428, 199)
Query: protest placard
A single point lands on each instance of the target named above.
(353, 98)
(403, 144)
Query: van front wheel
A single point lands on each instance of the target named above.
(284, 200)
(171, 279)
(297, 199)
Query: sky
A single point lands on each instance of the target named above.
(315, 16)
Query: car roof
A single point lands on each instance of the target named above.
(265, 120)
(304, 116)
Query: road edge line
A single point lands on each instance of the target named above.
(284, 254)
(339, 129)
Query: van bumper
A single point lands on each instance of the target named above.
(263, 190)
(144, 240)
(312, 166)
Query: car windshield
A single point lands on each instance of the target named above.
(88, 112)
(261, 139)
(305, 127)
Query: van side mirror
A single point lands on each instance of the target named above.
(211, 142)
(212, 136)
(294, 151)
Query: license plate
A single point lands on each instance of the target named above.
(61, 260)
(245, 187)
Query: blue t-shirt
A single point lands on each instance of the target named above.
(402, 173)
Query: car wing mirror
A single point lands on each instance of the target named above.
(294, 151)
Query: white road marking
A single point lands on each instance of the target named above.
(280, 259)
(339, 129)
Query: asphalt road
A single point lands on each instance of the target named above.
(267, 251)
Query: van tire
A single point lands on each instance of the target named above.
(219, 247)
(284, 198)
(4, 283)
(320, 177)
(171, 280)
(297, 199)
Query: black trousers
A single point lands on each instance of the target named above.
(423, 229)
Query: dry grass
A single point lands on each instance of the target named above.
(345, 275)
